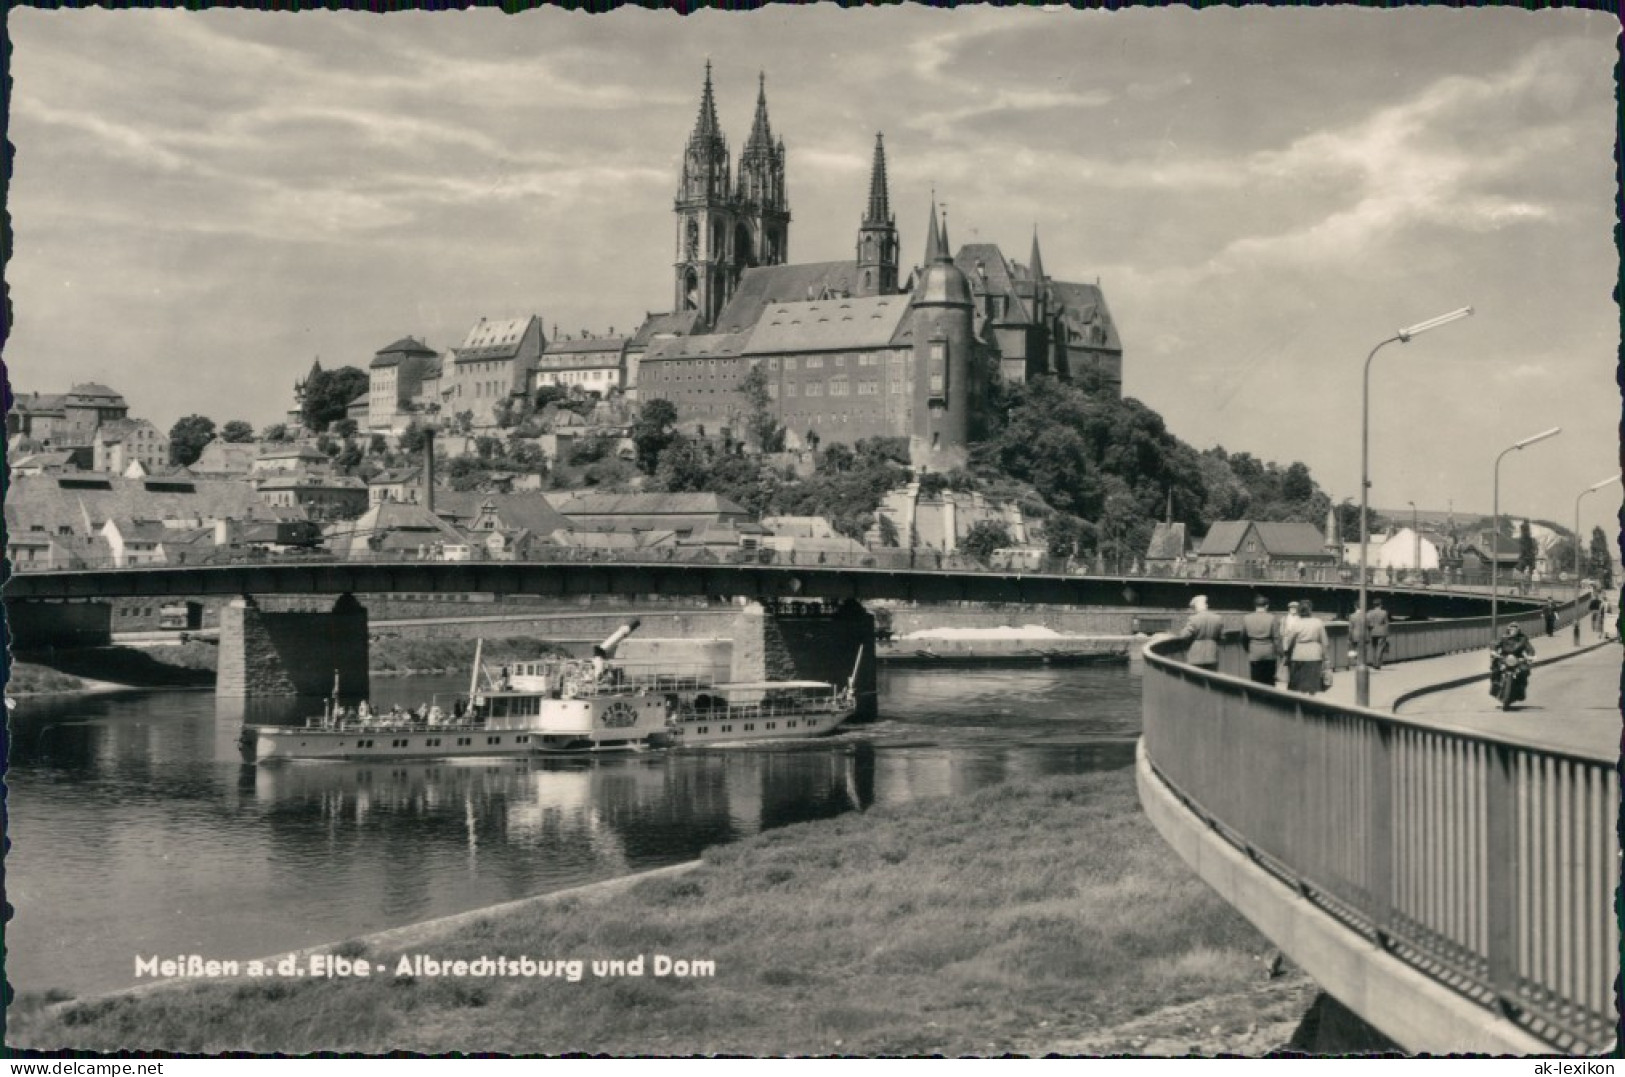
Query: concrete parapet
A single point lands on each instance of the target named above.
(815, 646)
(267, 654)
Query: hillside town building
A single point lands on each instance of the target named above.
(402, 380)
(494, 363)
(65, 420)
(587, 363)
(118, 443)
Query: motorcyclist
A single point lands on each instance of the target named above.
(1512, 654)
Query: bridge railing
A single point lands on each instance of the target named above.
(881, 558)
(1488, 865)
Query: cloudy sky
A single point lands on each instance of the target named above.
(204, 202)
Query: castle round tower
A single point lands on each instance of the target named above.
(944, 339)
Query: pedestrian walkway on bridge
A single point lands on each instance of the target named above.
(1573, 700)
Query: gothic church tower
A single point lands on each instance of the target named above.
(877, 235)
(764, 208)
(722, 230)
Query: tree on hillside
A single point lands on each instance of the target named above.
(683, 467)
(328, 394)
(237, 432)
(1528, 552)
(275, 432)
(187, 438)
(761, 424)
(413, 437)
(888, 531)
(984, 537)
(653, 432)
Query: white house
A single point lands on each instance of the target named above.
(1406, 549)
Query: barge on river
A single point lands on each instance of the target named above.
(565, 706)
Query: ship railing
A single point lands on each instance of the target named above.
(753, 711)
(393, 725)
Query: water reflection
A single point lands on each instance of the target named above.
(137, 829)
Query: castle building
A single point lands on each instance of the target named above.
(850, 349)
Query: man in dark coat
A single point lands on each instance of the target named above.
(1376, 623)
(1263, 635)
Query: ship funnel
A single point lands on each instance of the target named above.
(606, 649)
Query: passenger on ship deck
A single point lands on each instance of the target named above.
(364, 712)
(435, 715)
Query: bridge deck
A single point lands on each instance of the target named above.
(1560, 713)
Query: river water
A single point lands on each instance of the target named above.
(136, 830)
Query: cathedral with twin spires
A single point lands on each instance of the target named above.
(852, 349)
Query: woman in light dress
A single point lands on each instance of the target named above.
(1306, 648)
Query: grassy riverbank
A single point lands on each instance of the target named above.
(179, 665)
(1023, 918)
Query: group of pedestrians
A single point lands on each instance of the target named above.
(1294, 648)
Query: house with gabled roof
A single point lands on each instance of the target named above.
(137, 542)
(1259, 543)
(1168, 545)
(120, 442)
(687, 514)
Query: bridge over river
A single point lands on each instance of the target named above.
(1453, 886)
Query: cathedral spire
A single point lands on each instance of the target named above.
(761, 132)
(947, 252)
(1036, 262)
(879, 211)
(706, 126)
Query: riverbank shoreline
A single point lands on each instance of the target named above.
(414, 657)
(1024, 918)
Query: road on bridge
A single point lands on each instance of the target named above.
(1573, 705)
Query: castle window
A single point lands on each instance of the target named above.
(815, 362)
(815, 389)
(838, 387)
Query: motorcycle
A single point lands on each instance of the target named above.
(1509, 678)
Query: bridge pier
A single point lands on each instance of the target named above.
(280, 654)
(791, 643)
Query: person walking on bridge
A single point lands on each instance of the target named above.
(1203, 630)
(1359, 637)
(1307, 650)
(1376, 624)
(1263, 633)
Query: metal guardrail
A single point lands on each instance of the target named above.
(1487, 865)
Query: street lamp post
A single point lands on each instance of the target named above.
(1416, 542)
(1495, 558)
(1362, 673)
(1593, 488)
